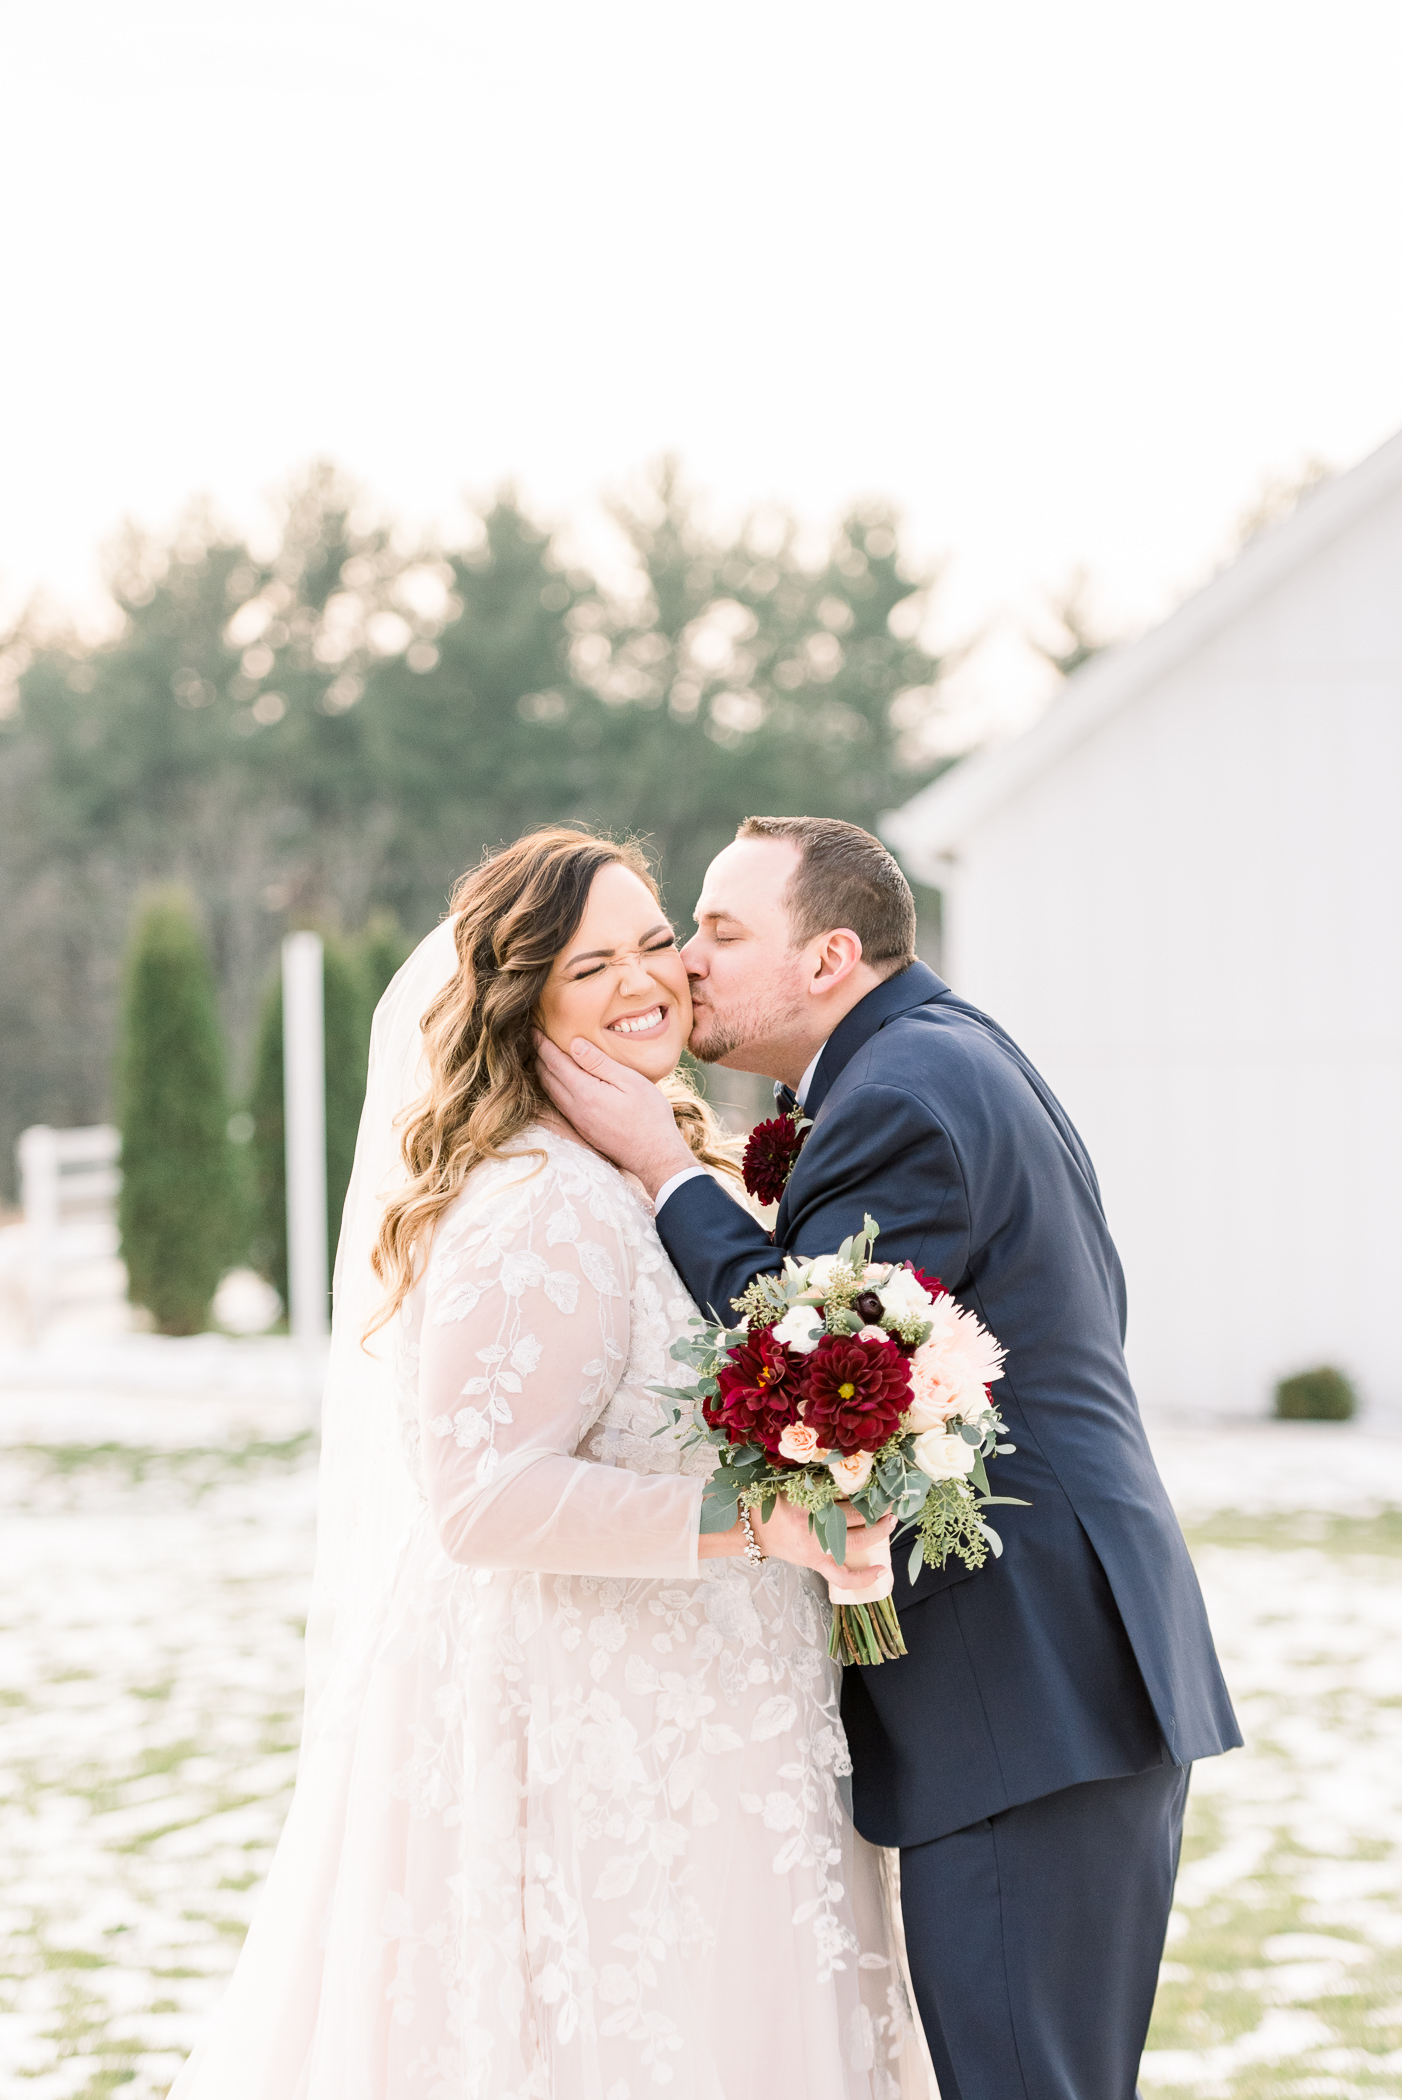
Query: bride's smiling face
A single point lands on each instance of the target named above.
(621, 983)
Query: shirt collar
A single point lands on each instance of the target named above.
(806, 1082)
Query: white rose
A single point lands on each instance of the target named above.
(904, 1298)
(820, 1272)
(852, 1472)
(799, 1444)
(944, 1457)
(800, 1329)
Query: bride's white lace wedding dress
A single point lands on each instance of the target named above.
(568, 1824)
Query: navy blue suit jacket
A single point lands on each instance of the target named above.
(1084, 1652)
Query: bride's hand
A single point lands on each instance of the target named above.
(787, 1537)
(615, 1109)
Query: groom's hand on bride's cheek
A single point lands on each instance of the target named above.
(618, 1110)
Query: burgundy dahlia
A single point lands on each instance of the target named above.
(855, 1392)
(758, 1395)
(931, 1284)
(769, 1157)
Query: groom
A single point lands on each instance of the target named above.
(1030, 1754)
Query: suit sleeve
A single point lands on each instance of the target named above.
(883, 1154)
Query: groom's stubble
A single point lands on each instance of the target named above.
(738, 1033)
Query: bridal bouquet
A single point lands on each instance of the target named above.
(850, 1381)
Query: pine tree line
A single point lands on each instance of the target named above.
(338, 727)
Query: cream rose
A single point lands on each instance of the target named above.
(944, 1457)
(799, 1444)
(852, 1472)
(800, 1329)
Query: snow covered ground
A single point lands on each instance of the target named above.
(154, 1556)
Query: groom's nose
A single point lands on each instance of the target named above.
(692, 957)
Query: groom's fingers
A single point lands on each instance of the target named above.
(582, 1064)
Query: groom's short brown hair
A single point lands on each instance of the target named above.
(844, 877)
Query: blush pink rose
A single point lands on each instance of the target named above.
(799, 1444)
(852, 1472)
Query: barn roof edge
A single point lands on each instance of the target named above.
(929, 828)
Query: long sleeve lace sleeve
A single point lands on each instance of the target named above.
(525, 1336)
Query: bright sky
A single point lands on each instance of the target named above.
(1067, 281)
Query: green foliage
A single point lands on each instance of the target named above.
(949, 1523)
(267, 1242)
(351, 972)
(177, 1200)
(337, 729)
(1324, 1395)
(382, 948)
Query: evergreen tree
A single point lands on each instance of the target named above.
(347, 1056)
(338, 725)
(382, 948)
(267, 1245)
(347, 1006)
(177, 1201)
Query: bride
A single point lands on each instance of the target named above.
(568, 1819)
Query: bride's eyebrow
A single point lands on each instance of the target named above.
(597, 954)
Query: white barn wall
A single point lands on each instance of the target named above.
(1192, 920)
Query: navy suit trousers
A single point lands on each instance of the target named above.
(1035, 1937)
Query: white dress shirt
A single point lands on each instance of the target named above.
(670, 1186)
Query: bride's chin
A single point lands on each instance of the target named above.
(654, 1060)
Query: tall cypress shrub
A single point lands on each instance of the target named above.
(347, 1030)
(176, 1210)
(382, 948)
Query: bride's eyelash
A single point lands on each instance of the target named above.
(657, 948)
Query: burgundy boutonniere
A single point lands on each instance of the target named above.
(771, 1153)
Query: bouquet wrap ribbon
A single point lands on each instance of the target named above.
(877, 1591)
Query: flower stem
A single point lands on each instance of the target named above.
(866, 1633)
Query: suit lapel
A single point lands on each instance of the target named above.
(916, 985)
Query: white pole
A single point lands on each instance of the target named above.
(304, 1109)
(38, 1174)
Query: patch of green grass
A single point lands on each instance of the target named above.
(198, 1468)
(1285, 1531)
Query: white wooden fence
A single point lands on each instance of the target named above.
(62, 1263)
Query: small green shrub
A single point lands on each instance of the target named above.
(355, 972)
(177, 1206)
(1324, 1395)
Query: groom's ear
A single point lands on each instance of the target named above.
(835, 956)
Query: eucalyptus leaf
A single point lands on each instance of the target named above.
(718, 1512)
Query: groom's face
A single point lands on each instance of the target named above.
(748, 983)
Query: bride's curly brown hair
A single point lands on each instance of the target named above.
(514, 915)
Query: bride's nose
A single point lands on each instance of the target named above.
(633, 975)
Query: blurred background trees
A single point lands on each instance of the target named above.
(329, 732)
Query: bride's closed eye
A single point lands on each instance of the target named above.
(663, 945)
